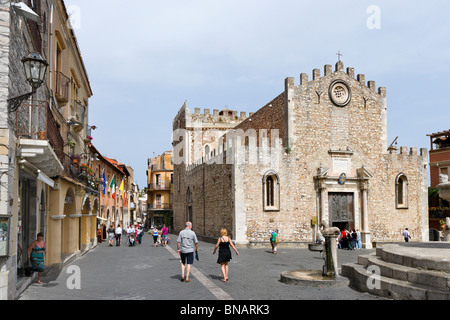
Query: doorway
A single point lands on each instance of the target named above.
(341, 210)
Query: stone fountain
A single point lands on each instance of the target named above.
(329, 275)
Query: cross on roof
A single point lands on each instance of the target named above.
(339, 54)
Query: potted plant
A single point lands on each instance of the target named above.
(75, 159)
(41, 135)
(442, 223)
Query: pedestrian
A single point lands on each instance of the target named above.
(354, 239)
(111, 235)
(224, 258)
(274, 241)
(36, 255)
(187, 244)
(118, 235)
(99, 235)
(140, 234)
(344, 240)
(155, 236)
(358, 233)
(127, 234)
(406, 235)
(164, 233)
(349, 240)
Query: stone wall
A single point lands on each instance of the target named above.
(212, 195)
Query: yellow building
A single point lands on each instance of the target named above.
(160, 190)
(45, 136)
(72, 216)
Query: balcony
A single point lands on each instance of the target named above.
(160, 206)
(40, 142)
(62, 88)
(81, 173)
(160, 186)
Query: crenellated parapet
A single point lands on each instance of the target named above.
(409, 152)
(339, 68)
(207, 119)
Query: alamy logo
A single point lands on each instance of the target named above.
(74, 280)
(374, 280)
(374, 20)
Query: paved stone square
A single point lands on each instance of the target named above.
(148, 273)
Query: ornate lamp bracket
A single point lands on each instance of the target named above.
(15, 103)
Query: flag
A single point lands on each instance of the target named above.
(104, 182)
(122, 189)
(113, 186)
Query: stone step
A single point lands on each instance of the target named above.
(423, 258)
(390, 288)
(435, 279)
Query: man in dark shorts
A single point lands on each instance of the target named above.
(187, 244)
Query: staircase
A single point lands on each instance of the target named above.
(403, 272)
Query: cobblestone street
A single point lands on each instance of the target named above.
(148, 273)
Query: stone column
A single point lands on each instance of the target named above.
(365, 232)
(330, 269)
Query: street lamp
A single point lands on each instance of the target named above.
(35, 71)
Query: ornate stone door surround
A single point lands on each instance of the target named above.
(358, 185)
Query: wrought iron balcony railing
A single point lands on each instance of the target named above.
(160, 206)
(35, 121)
(62, 87)
(74, 170)
(159, 187)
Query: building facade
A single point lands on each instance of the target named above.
(439, 166)
(439, 156)
(316, 152)
(44, 142)
(160, 190)
(114, 192)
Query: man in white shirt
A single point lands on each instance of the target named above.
(118, 236)
(406, 235)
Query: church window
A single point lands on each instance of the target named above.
(401, 191)
(271, 191)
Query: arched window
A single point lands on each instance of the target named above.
(207, 152)
(271, 191)
(401, 192)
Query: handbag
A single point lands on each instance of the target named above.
(28, 270)
(277, 241)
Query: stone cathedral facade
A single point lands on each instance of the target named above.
(316, 152)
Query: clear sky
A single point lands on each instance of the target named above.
(146, 57)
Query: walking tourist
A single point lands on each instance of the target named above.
(406, 235)
(130, 232)
(36, 252)
(140, 234)
(274, 241)
(354, 239)
(155, 236)
(99, 235)
(111, 235)
(187, 244)
(164, 233)
(224, 258)
(358, 233)
(118, 235)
